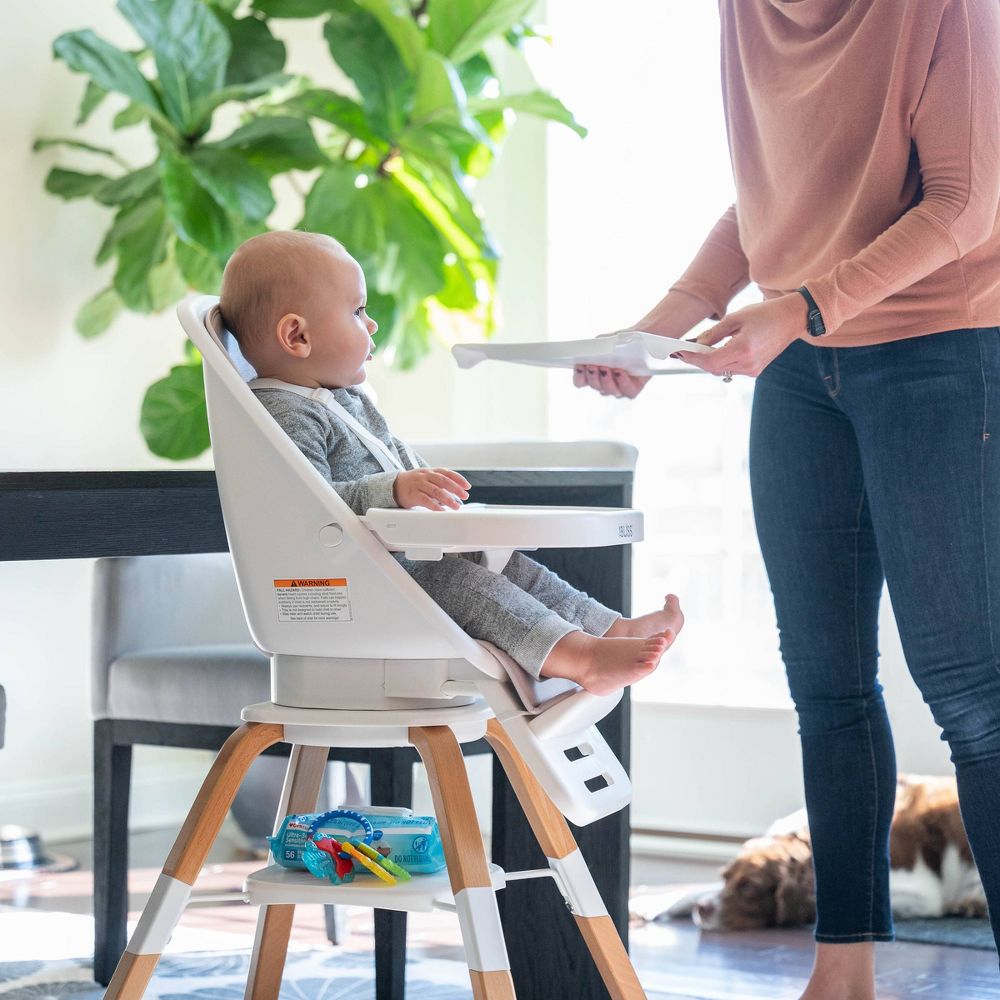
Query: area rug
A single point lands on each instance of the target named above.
(674, 903)
(962, 932)
(45, 955)
(337, 975)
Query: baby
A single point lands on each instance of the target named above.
(295, 302)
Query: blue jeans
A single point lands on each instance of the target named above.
(867, 461)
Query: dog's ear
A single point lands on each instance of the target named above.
(794, 897)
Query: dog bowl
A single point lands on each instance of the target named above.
(21, 850)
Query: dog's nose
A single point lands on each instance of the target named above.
(705, 913)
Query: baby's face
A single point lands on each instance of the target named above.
(340, 330)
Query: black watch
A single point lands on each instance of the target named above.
(814, 318)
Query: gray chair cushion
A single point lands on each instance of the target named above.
(206, 685)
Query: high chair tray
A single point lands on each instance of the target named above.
(423, 893)
(634, 351)
(476, 527)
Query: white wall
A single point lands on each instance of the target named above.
(70, 404)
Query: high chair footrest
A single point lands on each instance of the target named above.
(423, 893)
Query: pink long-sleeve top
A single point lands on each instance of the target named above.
(865, 143)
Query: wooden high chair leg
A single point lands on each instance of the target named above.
(299, 794)
(187, 856)
(564, 857)
(468, 868)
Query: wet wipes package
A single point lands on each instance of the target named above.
(412, 842)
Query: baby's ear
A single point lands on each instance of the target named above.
(293, 336)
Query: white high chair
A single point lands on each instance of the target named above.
(362, 656)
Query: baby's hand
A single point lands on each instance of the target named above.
(436, 489)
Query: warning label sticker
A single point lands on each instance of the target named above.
(324, 600)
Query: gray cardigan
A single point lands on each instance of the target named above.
(334, 449)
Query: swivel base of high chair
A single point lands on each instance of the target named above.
(468, 887)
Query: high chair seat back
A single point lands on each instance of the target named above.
(314, 581)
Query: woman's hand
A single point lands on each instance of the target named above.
(609, 381)
(759, 334)
(673, 316)
(436, 489)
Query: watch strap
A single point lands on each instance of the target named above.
(815, 326)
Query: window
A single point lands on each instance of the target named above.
(628, 207)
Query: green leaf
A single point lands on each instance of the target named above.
(385, 311)
(133, 185)
(459, 290)
(364, 51)
(435, 184)
(399, 249)
(69, 184)
(92, 97)
(195, 215)
(166, 284)
(240, 92)
(108, 67)
(475, 73)
(132, 114)
(521, 31)
(439, 94)
(191, 49)
(200, 269)
(338, 110)
(255, 52)
(536, 102)
(130, 218)
(411, 339)
(292, 8)
(337, 206)
(275, 144)
(173, 419)
(398, 23)
(98, 313)
(414, 260)
(237, 185)
(140, 248)
(459, 28)
(86, 147)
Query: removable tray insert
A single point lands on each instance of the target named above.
(633, 351)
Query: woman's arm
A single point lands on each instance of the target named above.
(675, 314)
(956, 132)
(719, 270)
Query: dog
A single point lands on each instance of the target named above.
(770, 882)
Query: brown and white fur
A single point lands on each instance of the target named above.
(770, 883)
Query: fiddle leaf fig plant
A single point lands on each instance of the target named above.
(387, 164)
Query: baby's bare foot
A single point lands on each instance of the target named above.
(669, 617)
(601, 665)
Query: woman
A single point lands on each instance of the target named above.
(864, 138)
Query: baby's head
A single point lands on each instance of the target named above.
(296, 304)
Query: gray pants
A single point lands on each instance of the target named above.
(525, 610)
